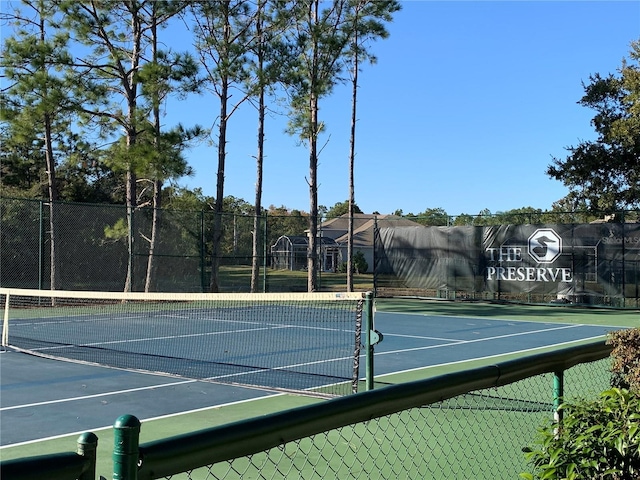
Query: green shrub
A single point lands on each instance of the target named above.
(598, 440)
(360, 265)
(626, 358)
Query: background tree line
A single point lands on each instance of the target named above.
(86, 84)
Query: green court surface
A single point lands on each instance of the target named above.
(543, 313)
(161, 428)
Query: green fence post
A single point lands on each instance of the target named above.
(130, 240)
(203, 273)
(125, 448)
(87, 448)
(264, 255)
(376, 241)
(41, 247)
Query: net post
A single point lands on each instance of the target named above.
(355, 379)
(126, 437)
(5, 321)
(368, 309)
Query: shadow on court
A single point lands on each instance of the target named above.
(42, 398)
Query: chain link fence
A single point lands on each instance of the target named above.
(91, 250)
(468, 424)
(68, 246)
(90, 247)
(480, 434)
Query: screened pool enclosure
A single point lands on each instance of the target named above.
(290, 253)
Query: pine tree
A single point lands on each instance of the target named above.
(36, 106)
(222, 37)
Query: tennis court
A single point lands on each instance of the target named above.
(415, 341)
(52, 400)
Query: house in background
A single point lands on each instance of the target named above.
(290, 251)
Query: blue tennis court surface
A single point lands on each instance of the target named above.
(42, 398)
(290, 345)
(415, 341)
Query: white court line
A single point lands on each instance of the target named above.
(490, 319)
(420, 337)
(488, 357)
(165, 337)
(161, 417)
(269, 326)
(252, 372)
(152, 387)
(462, 342)
(97, 395)
(454, 342)
(183, 382)
(194, 335)
(172, 415)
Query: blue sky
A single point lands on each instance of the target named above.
(466, 107)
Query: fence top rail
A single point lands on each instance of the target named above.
(185, 452)
(59, 466)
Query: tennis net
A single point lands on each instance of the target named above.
(295, 341)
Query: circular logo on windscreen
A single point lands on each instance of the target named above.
(545, 245)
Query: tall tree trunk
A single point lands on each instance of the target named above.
(53, 198)
(225, 79)
(257, 213)
(131, 205)
(155, 221)
(52, 185)
(157, 183)
(312, 251)
(219, 201)
(352, 154)
(130, 85)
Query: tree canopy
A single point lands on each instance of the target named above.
(90, 74)
(605, 173)
(341, 208)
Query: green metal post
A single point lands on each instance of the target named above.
(203, 273)
(130, 246)
(624, 266)
(635, 275)
(376, 239)
(125, 448)
(264, 256)
(40, 248)
(369, 329)
(558, 393)
(87, 448)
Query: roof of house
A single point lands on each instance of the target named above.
(338, 228)
(303, 240)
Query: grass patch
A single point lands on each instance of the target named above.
(237, 278)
